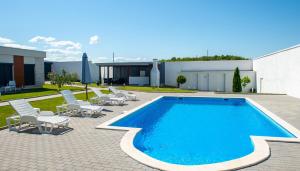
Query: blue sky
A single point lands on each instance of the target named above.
(139, 30)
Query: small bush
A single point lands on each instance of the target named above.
(181, 80)
(245, 81)
(62, 78)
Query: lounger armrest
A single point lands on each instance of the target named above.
(29, 118)
(37, 109)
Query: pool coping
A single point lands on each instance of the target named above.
(260, 153)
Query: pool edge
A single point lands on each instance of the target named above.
(260, 153)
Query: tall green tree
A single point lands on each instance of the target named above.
(236, 84)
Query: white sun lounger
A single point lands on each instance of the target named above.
(122, 93)
(79, 106)
(33, 116)
(103, 99)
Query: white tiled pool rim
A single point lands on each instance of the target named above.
(260, 153)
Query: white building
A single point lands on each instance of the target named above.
(209, 75)
(75, 67)
(25, 67)
(278, 72)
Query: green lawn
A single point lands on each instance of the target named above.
(90, 85)
(48, 104)
(47, 89)
(155, 89)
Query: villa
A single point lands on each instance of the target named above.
(267, 73)
(24, 66)
(138, 130)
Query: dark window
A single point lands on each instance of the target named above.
(29, 74)
(5, 73)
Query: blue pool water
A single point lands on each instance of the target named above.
(193, 130)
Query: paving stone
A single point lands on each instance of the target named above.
(87, 148)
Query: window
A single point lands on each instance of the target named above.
(6, 73)
(29, 77)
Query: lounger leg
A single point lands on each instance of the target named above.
(40, 127)
(20, 126)
(51, 129)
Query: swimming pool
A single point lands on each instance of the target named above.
(193, 131)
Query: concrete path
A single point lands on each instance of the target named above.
(42, 97)
(87, 148)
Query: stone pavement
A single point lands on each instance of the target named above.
(87, 148)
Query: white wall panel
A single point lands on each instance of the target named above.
(279, 72)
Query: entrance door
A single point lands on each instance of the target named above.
(217, 81)
(19, 70)
(203, 81)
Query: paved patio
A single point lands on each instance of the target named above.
(87, 148)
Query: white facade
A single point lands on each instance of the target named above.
(141, 81)
(215, 80)
(278, 72)
(30, 57)
(209, 75)
(75, 67)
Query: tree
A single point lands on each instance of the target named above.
(181, 80)
(236, 84)
(245, 81)
(59, 79)
(74, 77)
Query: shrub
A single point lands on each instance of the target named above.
(60, 79)
(205, 58)
(181, 80)
(74, 77)
(245, 81)
(236, 85)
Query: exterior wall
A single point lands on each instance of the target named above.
(39, 71)
(215, 80)
(139, 81)
(75, 67)
(29, 57)
(173, 69)
(278, 72)
(6, 58)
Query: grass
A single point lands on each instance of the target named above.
(47, 89)
(155, 89)
(90, 85)
(48, 104)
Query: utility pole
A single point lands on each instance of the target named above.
(113, 57)
(207, 52)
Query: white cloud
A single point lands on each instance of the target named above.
(14, 45)
(59, 50)
(53, 43)
(94, 40)
(63, 55)
(41, 38)
(5, 40)
(102, 59)
(11, 43)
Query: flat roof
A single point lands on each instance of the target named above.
(124, 64)
(21, 52)
(279, 51)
